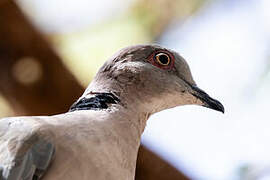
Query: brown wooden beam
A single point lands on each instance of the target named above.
(36, 82)
(151, 167)
(54, 90)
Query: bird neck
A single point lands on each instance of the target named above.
(125, 121)
(114, 104)
(116, 97)
(120, 126)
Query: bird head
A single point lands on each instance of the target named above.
(152, 77)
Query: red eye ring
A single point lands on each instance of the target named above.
(162, 59)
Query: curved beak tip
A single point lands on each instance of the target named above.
(215, 105)
(207, 100)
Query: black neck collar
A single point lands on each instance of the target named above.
(97, 102)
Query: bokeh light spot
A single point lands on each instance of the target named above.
(27, 70)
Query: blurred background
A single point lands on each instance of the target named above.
(51, 49)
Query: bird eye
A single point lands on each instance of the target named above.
(163, 59)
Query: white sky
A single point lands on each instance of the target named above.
(71, 15)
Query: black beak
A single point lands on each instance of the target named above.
(206, 99)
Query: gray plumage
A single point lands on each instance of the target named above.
(99, 138)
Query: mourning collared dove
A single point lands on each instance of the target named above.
(99, 137)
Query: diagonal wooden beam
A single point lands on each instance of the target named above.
(151, 167)
(36, 82)
(54, 89)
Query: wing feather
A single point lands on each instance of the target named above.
(24, 155)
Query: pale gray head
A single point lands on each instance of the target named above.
(150, 77)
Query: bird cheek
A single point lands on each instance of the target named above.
(186, 99)
(193, 100)
(183, 95)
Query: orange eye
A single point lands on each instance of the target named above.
(163, 59)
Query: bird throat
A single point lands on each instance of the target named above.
(97, 102)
